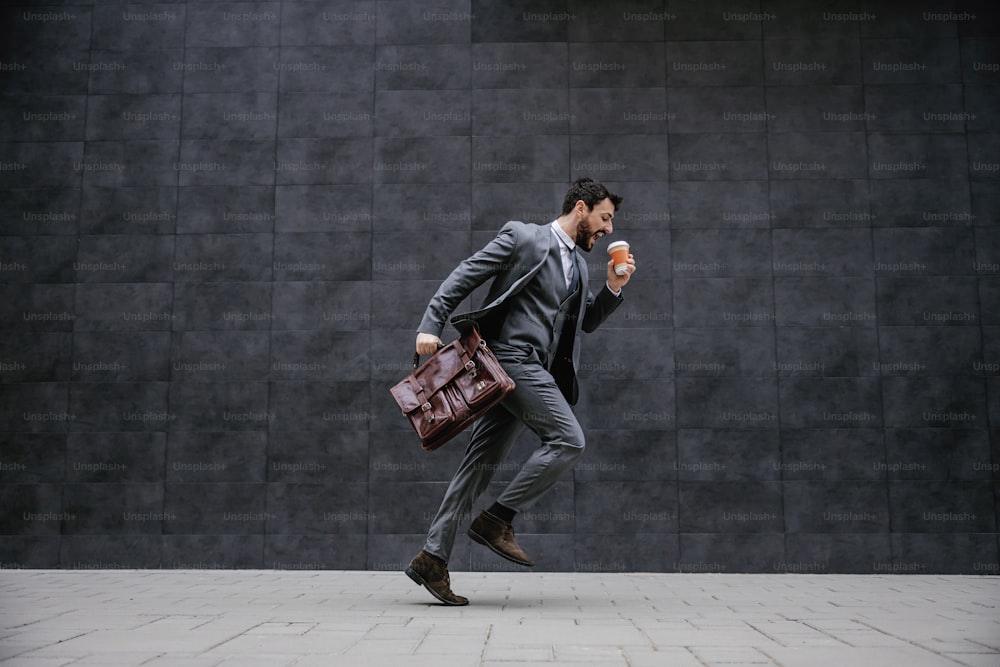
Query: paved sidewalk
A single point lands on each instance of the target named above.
(276, 618)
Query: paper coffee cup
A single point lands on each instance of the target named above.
(619, 253)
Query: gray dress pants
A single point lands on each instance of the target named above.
(537, 403)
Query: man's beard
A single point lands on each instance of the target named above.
(581, 241)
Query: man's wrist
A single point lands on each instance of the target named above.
(616, 292)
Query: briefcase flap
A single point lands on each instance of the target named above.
(436, 372)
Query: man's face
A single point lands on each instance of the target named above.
(594, 223)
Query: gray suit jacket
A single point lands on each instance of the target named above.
(512, 259)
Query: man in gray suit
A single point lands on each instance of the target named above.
(536, 305)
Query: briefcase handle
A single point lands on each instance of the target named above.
(416, 357)
(472, 334)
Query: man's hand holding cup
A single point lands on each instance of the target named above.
(621, 266)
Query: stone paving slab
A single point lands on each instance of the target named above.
(201, 618)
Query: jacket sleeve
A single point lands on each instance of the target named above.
(599, 308)
(467, 276)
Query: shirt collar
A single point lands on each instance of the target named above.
(563, 236)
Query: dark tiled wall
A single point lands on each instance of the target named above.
(221, 222)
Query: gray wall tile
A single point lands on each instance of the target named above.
(217, 356)
(911, 61)
(917, 156)
(721, 109)
(219, 406)
(37, 307)
(208, 552)
(125, 258)
(928, 301)
(120, 406)
(37, 259)
(232, 209)
(141, 72)
(246, 116)
(231, 162)
(730, 507)
(720, 204)
(716, 454)
(721, 552)
(816, 107)
(536, 111)
(616, 65)
(831, 252)
(941, 507)
(214, 509)
(102, 356)
(953, 454)
(716, 253)
(315, 552)
(915, 108)
(223, 257)
(347, 114)
(836, 155)
(724, 352)
(43, 117)
(327, 208)
(109, 508)
(38, 164)
(421, 113)
(857, 553)
(206, 306)
(718, 156)
(833, 453)
(321, 406)
(820, 203)
(729, 302)
(521, 21)
(324, 69)
(217, 457)
(35, 356)
(133, 28)
(934, 402)
(830, 402)
(128, 210)
(423, 67)
(827, 352)
(825, 301)
(714, 63)
(632, 507)
(506, 65)
(329, 24)
(33, 458)
(902, 202)
(727, 403)
(209, 69)
(959, 553)
(836, 507)
(31, 211)
(305, 509)
(233, 24)
(78, 552)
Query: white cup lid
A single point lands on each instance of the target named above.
(612, 246)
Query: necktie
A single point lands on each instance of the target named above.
(574, 280)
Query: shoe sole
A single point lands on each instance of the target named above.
(413, 574)
(482, 540)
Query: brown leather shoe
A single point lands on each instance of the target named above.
(498, 535)
(432, 574)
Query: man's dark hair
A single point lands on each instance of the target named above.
(591, 192)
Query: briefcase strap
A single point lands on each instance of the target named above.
(425, 405)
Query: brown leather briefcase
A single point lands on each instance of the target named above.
(453, 387)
